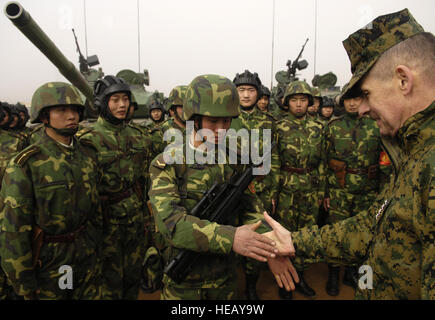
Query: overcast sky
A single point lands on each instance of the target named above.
(180, 39)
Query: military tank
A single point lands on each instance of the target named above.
(87, 76)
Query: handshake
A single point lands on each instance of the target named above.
(275, 247)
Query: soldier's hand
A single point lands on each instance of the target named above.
(326, 203)
(251, 244)
(284, 272)
(281, 235)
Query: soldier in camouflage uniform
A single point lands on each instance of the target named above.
(278, 110)
(313, 110)
(392, 63)
(352, 149)
(264, 99)
(326, 111)
(124, 156)
(251, 117)
(11, 142)
(211, 102)
(302, 173)
(49, 205)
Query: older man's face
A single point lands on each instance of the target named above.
(381, 103)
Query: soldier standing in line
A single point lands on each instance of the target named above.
(302, 185)
(392, 61)
(352, 149)
(211, 102)
(124, 155)
(318, 101)
(326, 111)
(264, 99)
(278, 110)
(175, 111)
(49, 205)
(251, 117)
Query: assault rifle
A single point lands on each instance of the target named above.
(220, 201)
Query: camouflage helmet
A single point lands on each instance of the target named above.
(156, 102)
(107, 86)
(54, 94)
(264, 91)
(348, 94)
(327, 102)
(211, 95)
(298, 87)
(176, 96)
(248, 78)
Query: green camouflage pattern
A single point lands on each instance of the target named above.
(124, 155)
(211, 95)
(396, 235)
(55, 188)
(365, 46)
(300, 143)
(177, 95)
(357, 142)
(11, 142)
(174, 191)
(297, 87)
(53, 94)
(316, 92)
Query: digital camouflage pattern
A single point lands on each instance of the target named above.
(53, 94)
(123, 154)
(365, 46)
(54, 187)
(176, 96)
(211, 95)
(174, 191)
(300, 143)
(396, 235)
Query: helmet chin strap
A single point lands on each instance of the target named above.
(66, 132)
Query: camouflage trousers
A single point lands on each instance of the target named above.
(344, 205)
(296, 210)
(172, 291)
(123, 255)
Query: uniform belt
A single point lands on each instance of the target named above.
(296, 170)
(370, 169)
(67, 237)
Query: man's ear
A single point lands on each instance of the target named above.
(404, 78)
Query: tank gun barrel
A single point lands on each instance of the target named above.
(25, 23)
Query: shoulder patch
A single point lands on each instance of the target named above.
(24, 155)
(159, 162)
(82, 132)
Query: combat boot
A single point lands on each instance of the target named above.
(303, 287)
(350, 277)
(332, 284)
(284, 294)
(251, 287)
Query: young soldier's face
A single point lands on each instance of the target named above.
(215, 124)
(62, 117)
(352, 105)
(156, 114)
(179, 110)
(118, 105)
(263, 103)
(247, 95)
(298, 104)
(327, 112)
(315, 107)
(14, 122)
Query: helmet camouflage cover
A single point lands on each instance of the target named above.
(54, 94)
(211, 95)
(176, 96)
(298, 87)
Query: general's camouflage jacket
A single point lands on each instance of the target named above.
(396, 236)
(55, 188)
